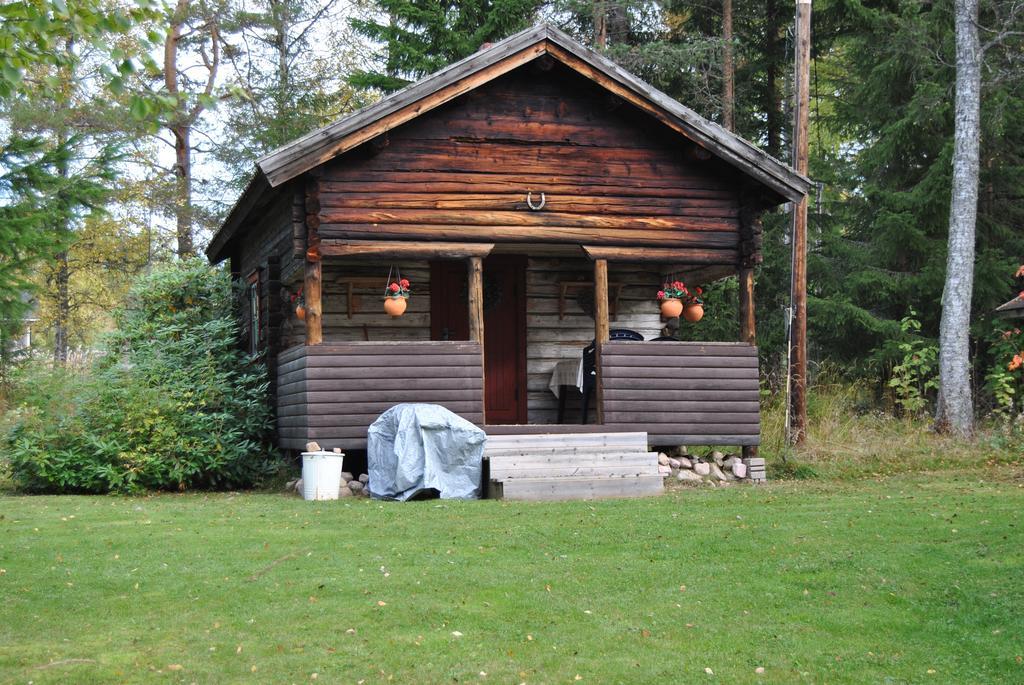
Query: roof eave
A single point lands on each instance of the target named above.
(216, 251)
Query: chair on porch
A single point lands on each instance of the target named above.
(590, 365)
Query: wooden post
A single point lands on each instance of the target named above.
(600, 328)
(798, 332)
(476, 300)
(314, 309)
(476, 317)
(748, 330)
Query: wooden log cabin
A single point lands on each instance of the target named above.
(536, 195)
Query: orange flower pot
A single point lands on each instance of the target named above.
(671, 308)
(395, 306)
(300, 313)
(693, 312)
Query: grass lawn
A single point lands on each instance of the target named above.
(915, 579)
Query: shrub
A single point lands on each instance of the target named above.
(173, 404)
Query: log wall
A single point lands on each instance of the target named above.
(331, 393)
(610, 174)
(683, 393)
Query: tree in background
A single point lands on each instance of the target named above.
(191, 64)
(51, 176)
(422, 36)
(886, 92)
(955, 411)
(287, 61)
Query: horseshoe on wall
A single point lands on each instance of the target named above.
(529, 201)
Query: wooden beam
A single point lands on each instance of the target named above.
(601, 327)
(314, 306)
(674, 255)
(748, 330)
(476, 311)
(394, 249)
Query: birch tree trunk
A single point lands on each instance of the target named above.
(955, 411)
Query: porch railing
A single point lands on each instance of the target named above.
(683, 393)
(331, 393)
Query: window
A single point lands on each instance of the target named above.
(254, 312)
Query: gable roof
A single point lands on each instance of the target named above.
(305, 153)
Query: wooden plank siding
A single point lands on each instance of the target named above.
(610, 176)
(688, 393)
(332, 392)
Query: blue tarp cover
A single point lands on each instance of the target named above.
(412, 447)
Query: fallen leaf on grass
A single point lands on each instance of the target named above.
(382, 604)
(709, 671)
(174, 667)
(456, 633)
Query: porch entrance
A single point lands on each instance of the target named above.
(504, 279)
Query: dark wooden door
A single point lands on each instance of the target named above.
(504, 328)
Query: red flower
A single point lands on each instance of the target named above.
(404, 282)
(661, 294)
(394, 287)
(699, 291)
(1015, 363)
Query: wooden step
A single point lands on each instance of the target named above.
(575, 470)
(566, 451)
(627, 441)
(570, 465)
(550, 489)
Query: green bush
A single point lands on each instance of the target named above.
(173, 404)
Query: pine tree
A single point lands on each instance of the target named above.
(887, 89)
(422, 36)
(286, 63)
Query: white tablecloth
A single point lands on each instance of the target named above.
(567, 372)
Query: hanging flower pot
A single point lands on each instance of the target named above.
(671, 298)
(676, 299)
(396, 297)
(395, 306)
(300, 305)
(671, 307)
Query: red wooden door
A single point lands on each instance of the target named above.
(504, 328)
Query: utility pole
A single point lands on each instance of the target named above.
(798, 295)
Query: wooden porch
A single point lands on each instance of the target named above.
(677, 392)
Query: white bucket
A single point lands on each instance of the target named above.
(321, 474)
